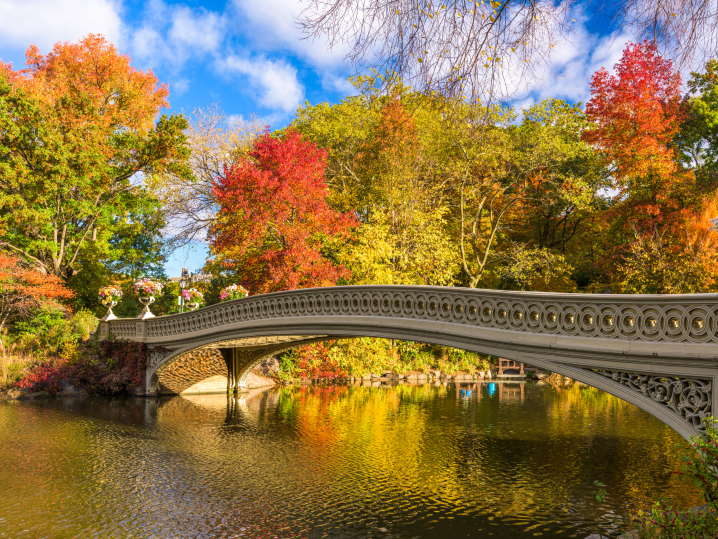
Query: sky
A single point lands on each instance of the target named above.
(246, 55)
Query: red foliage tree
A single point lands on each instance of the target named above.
(636, 114)
(23, 289)
(274, 221)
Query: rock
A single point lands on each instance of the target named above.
(268, 367)
(375, 375)
(69, 390)
(391, 376)
(444, 376)
(33, 395)
(597, 536)
(255, 380)
(539, 376)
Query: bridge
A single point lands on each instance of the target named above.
(659, 352)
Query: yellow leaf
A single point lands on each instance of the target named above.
(420, 60)
(513, 50)
(486, 65)
(397, 11)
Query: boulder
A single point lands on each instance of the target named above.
(391, 376)
(255, 380)
(268, 367)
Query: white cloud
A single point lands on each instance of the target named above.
(174, 34)
(272, 24)
(574, 63)
(179, 87)
(44, 23)
(274, 81)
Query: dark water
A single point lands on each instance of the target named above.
(505, 460)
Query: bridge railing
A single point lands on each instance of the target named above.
(685, 318)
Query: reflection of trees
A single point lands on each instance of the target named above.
(315, 454)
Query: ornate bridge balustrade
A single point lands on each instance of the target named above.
(659, 352)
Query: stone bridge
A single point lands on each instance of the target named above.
(659, 352)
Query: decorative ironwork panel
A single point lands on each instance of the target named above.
(156, 357)
(688, 318)
(690, 398)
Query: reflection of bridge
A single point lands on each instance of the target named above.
(659, 352)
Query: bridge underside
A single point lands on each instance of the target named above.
(678, 398)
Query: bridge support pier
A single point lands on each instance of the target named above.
(237, 360)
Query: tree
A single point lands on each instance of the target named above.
(659, 238)
(188, 202)
(498, 168)
(379, 165)
(635, 116)
(274, 223)
(23, 290)
(76, 128)
(490, 50)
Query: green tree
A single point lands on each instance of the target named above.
(76, 128)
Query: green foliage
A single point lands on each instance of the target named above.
(699, 466)
(366, 355)
(601, 493)
(49, 332)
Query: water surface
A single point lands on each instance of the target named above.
(500, 460)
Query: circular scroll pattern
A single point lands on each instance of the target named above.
(664, 321)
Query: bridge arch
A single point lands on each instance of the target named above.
(659, 352)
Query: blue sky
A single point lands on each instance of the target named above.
(246, 55)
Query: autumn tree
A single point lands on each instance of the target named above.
(490, 50)
(500, 167)
(24, 289)
(77, 126)
(660, 238)
(274, 224)
(188, 203)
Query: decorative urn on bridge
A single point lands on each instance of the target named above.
(146, 290)
(109, 296)
(193, 298)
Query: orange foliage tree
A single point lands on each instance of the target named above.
(274, 221)
(635, 117)
(661, 239)
(23, 289)
(76, 126)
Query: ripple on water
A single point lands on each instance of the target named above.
(411, 462)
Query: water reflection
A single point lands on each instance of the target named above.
(507, 459)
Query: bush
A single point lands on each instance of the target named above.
(337, 359)
(47, 333)
(111, 366)
(699, 465)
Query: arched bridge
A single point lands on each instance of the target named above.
(659, 352)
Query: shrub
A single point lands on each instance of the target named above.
(111, 366)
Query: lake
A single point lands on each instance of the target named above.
(501, 459)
